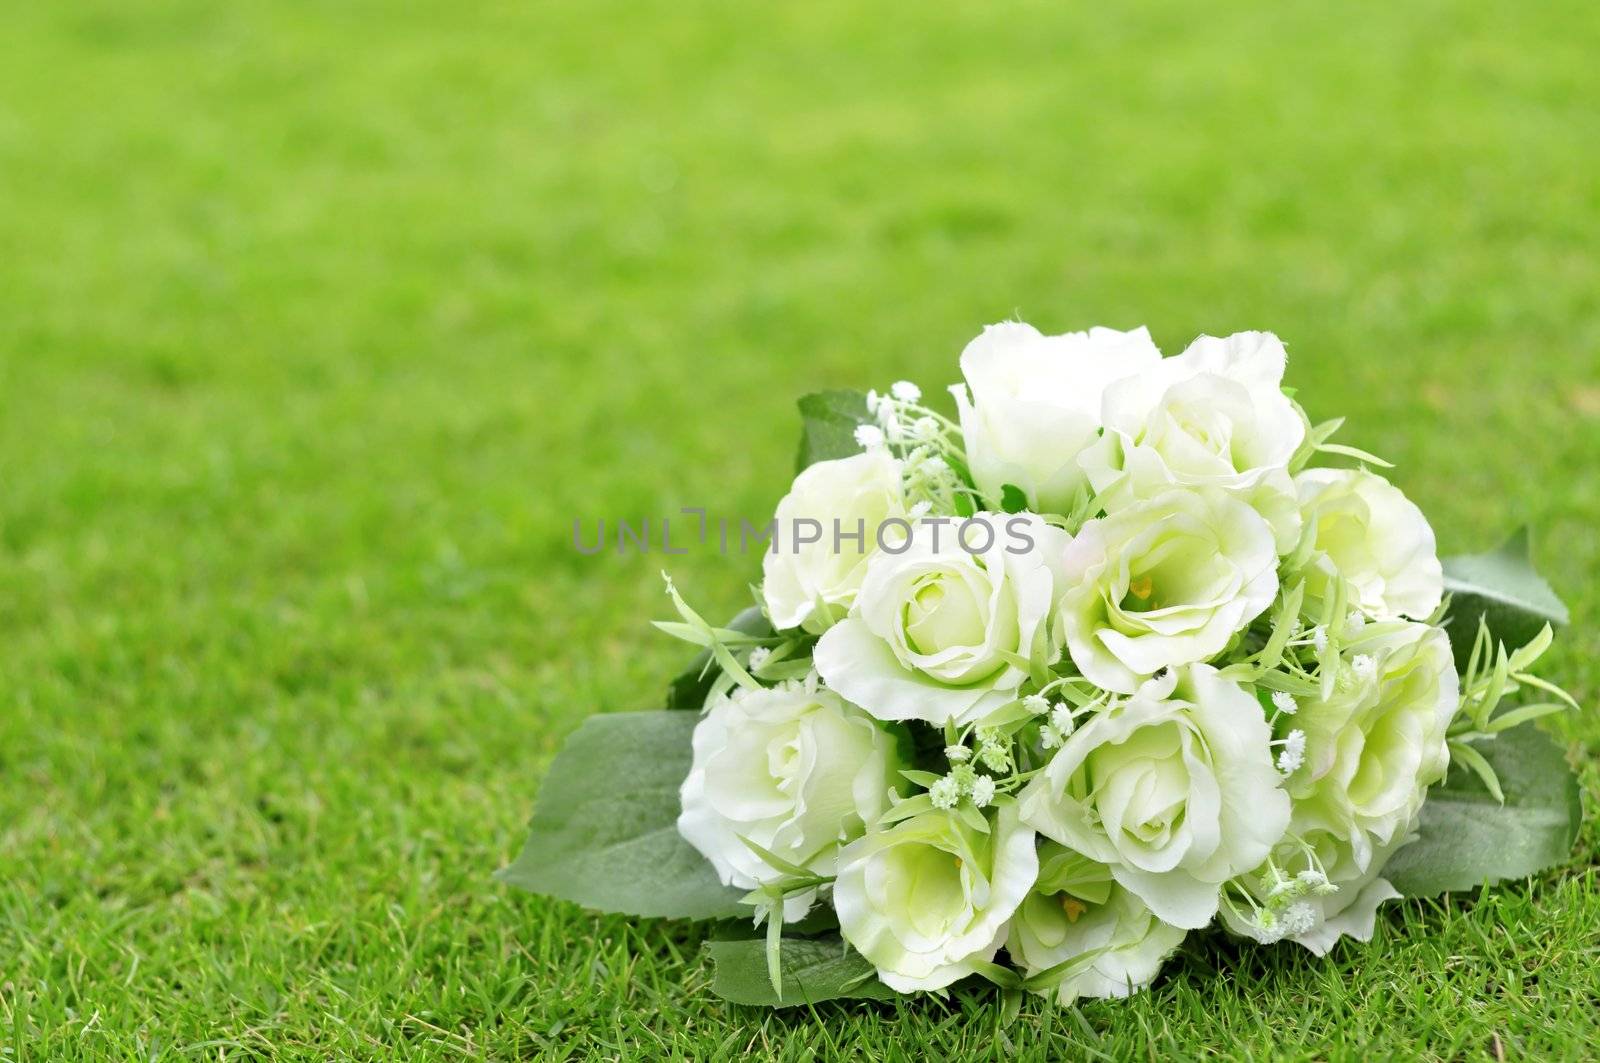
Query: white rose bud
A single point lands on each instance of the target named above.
(927, 898)
(933, 625)
(1164, 583)
(1076, 909)
(797, 773)
(1375, 539)
(1174, 790)
(812, 584)
(1035, 404)
(1214, 416)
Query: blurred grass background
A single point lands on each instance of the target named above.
(321, 323)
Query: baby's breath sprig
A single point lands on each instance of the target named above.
(1291, 751)
(784, 661)
(930, 448)
(999, 755)
(906, 423)
(1273, 900)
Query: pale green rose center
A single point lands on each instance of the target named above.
(942, 613)
(1141, 786)
(784, 756)
(1051, 916)
(924, 885)
(1195, 429)
(1181, 570)
(1344, 533)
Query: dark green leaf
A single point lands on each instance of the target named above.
(1012, 498)
(1502, 587)
(689, 689)
(1468, 838)
(814, 970)
(829, 420)
(604, 833)
(821, 919)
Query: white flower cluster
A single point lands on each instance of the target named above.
(1211, 687)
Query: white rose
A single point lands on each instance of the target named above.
(1035, 404)
(1375, 539)
(798, 773)
(1174, 789)
(1372, 749)
(1214, 416)
(927, 898)
(937, 628)
(1376, 744)
(812, 584)
(1076, 908)
(1163, 583)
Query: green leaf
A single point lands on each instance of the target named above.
(1468, 838)
(814, 970)
(829, 420)
(689, 689)
(1356, 453)
(1502, 587)
(1479, 765)
(604, 832)
(1012, 498)
(821, 920)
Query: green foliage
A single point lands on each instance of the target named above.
(604, 833)
(1468, 837)
(828, 423)
(1501, 589)
(689, 688)
(814, 970)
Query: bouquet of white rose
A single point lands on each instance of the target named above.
(1032, 692)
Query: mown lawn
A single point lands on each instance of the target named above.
(320, 324)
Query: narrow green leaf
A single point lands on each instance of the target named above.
(689, 689)
(1526, 655)
(813, 970)
(972, 818)
(1524, 713)
(775, 947)
(1501, 587)
(818, 922)
(691, 633)
(1282, 624)
(1356, 453)
(1548, 687)
(1004, 977)
(1010, 1005)
(1473, 760)
(911, 806)
(1468, 838)
(1482, 647)
(604, 832)
(829, 420)
(1288, 684)
(1051, 977)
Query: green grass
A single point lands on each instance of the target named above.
(319, 325)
